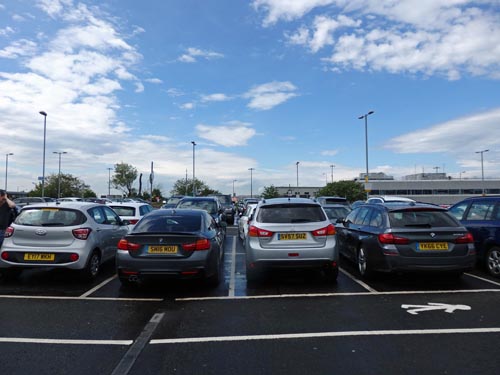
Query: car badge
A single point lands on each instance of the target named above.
(41, 232)
(160, 240)
(432, 234)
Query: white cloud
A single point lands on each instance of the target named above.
(6, 31)
(478, 131)
(218, 97)
(173, 92)
(429, 37)
(329, 152)
(269, 95)
(156, 81)
(187, 106)
(18, 48)
(231, 135)
(193, 54)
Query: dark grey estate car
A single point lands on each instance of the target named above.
(405, 237)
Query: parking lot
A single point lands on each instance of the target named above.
(291, 322)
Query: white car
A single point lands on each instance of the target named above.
(131, 211)
(243, 222)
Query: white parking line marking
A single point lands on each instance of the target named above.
(98, 286)
(326, 334)
(23, 340)
(233, 269)
(483, 279)
(88, 298)
(364, 285)
(352, 294)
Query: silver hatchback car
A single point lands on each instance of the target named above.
(74, 235)
(290, 233)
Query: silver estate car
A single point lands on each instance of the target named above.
(74, 235)
(290, 233)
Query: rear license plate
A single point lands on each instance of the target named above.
(40, 257)
(291, 236)
(425, 246)
(162, 249)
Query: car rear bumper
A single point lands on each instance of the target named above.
(399, 263)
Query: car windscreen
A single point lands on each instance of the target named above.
(421, 218)
(336, 212)
(208, 206)
(290, 213)
(167, 224)
(50, 216)
(124, 210)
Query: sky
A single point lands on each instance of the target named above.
(257, 84)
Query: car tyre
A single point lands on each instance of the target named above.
(93, 266)
(364, 267)
(493, 261)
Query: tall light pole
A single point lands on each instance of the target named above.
(109, 181)
(297, 164)
(44, 114)
(59, 175)
(251, 181)
(365, 116)
(482, 168)
(233, 187)
(460, 177)
(332, 166)
(194, 185)
(7, 167)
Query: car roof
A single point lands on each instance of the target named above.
(402, 206)
(177, 211)
(270, 201)
(80, 205)
(127, 204)
(199, 199)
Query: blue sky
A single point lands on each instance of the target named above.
(256, 84)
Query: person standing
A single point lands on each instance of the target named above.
(6, 207)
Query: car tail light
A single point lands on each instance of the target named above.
(203, 244)
(81, 233)
(9, 232)
(125, 245)
(326, 231)
(253, 231)
(5, 255)
(466, 238)
(74, 257)
(391, 239)
(133, 221)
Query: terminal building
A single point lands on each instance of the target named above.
(437, 188)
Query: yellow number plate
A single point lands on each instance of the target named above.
(291, 236)
(40, 257)
(433, 246)
(162, 249)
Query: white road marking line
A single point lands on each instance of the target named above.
(483, 279)
(80, 298)
(128, 360)
(364, 285)
(23, 340)
(233, 269)
(326, 334)
(88, 293)
(314, 295)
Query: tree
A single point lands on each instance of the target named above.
(185, 187)
(124, 177)
(70, 187)
(270, 192)
(352, 190)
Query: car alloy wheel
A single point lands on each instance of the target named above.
(363, 265)
(493, 261)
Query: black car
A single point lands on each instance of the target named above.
(228, 206)
(405, 237)
(481, 216)
(210, 204)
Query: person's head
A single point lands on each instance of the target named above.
(3, 195)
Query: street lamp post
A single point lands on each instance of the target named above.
(7, 167)
(251, 181)
(332, 166)
(109, 181)
(482, 168)
(233, 187)
(59, 175)
(461, 174)
(44, 114)
(194, 185)
(365, 116)
(297, 164)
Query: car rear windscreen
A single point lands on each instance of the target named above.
(420, 218)
(50, 217)
(124, 210)
(290, 213)
(167, 224)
